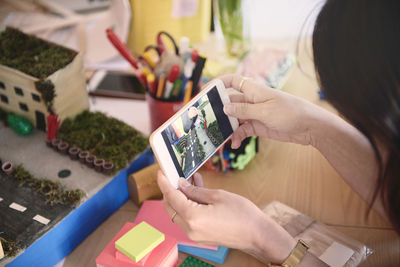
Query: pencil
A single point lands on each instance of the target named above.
(188, 92)
(160, 88)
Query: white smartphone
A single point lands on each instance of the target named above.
(185, 142)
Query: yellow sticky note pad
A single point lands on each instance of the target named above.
(139, 241)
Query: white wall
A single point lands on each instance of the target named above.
(279, 19)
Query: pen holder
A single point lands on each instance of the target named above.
(161, 111)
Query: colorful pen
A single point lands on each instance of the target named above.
(188, 68)
(175, 92)
(188, 92)
(151, 83)
(196, 74)
(173, 75)
(161, 83)
(184, 46)
(190, 64)
(122, 49)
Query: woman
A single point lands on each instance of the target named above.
(356, 52)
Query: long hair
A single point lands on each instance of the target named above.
(357, 59)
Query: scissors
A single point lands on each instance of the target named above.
(160, 48)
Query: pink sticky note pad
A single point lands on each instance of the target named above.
(165, 254)
(152, 212)
(122, 257)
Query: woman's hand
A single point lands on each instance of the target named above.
(267, 112)
(222, 218)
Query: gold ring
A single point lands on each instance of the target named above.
(173, 216)
(242, 83)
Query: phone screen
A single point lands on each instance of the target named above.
(197, 133)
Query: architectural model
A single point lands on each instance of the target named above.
(38, 78)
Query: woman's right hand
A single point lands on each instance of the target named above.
(267, 112)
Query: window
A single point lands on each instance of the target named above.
(36, 97)
(23, 106)
(2, 86)
(4, 99)
(18, 91)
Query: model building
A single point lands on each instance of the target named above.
(38, 78)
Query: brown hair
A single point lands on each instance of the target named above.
(356, 52)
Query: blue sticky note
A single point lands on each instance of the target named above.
(217, 256)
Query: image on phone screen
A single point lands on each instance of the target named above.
(197, 133)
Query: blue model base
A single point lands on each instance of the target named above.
(82, 221)
(217, 256)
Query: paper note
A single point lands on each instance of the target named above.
(139, 241)
(18, 207)
(336, 255)
(41, 219)
(184, 8)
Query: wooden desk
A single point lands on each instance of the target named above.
(296, 175)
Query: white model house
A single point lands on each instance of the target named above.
(19, 95)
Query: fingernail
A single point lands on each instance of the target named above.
(235, 145)
(229, 109)
(183, 182)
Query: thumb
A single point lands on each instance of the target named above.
(197, 194)
(244, 111)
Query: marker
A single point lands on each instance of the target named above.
(161, 83)
(190, 64)
(122, 49)
(196, 74)
(176, 89)
(188, 92)
(173, 75)
(151, 83)
(183, 45)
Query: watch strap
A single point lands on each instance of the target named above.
(295, 256)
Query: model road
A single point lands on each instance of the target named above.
(191, 158)
(20, 225)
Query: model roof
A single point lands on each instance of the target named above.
(32, 55)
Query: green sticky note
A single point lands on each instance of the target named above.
(194, 262)
(139, 241)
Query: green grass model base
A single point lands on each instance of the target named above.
(104, 137)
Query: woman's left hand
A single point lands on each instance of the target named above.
(223, 218)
